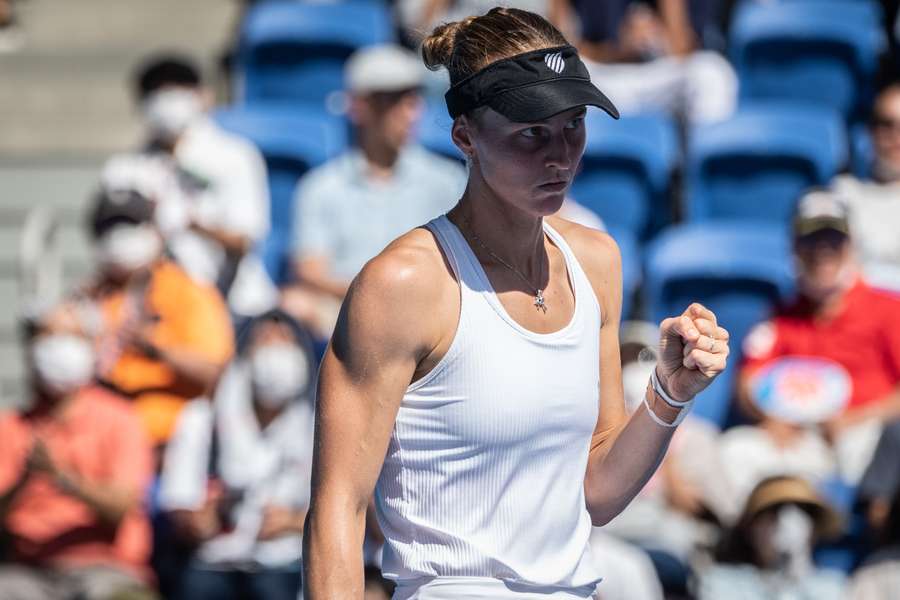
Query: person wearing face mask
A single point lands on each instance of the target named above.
(350, 208)
(74, 468)
(874, 200)
(210, 186)
(768, 553)
(838, 317)
(236, 476)
(162, 336)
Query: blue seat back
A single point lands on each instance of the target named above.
(434, 129)
(292, 50)
(823, 52)
(862, 151)
(739, 270)
(756, 164)
(626, 169)
(630, 249)
(292, 141)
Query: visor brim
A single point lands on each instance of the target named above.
(547, 98)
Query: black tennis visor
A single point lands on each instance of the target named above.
(529, 87)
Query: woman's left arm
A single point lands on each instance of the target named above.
(626, 451)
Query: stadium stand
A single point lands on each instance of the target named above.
(755, 165)
(626, 170)
(824, 52)
(296, 51)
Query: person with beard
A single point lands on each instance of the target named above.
(838, 317)
(236, 478)
(74, 468)
(163, 337)
(874, 201)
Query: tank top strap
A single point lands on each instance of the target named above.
(580, 280)
(457, 251)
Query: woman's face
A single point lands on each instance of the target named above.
(528, 165)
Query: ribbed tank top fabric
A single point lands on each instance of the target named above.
(482, 489)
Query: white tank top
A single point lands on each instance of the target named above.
(482, 489)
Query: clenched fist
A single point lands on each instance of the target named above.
(693, 349)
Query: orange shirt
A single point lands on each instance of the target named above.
(100, 439)
(180, 313)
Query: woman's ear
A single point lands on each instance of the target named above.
(461, 134)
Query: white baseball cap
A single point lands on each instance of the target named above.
(383, 68)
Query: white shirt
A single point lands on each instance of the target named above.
(218, 180)
(874, 219)
(272, 466)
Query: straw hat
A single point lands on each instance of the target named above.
(779, 490)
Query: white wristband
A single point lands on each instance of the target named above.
(684, 407)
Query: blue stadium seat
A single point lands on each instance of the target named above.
(434, 129)
(630, 249)
(738, 269)
(292, 140)
(861, 151)
(626, 169)
(756, 164)
(292, 50)
(823, 52)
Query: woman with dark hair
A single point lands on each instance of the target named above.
(235, 481)
(462, 380)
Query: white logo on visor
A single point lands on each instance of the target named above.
(555, 62)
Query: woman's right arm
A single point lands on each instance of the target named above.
(385, 327)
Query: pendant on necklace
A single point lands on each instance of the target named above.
(539, 300)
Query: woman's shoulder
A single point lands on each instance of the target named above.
(597, 252)
(410, 277)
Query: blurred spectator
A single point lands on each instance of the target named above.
(875, 202)
(837, 318)
(768, 554)
(163, 338)
(349, 209)
(879, 576)
(209, 186)
(881, 482)
(74, 469)
(650, 56)
(237, 471)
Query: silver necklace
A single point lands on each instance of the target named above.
(538, 292)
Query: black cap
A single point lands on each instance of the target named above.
(530, 87)
(116, 207)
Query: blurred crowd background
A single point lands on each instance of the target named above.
(188, 187)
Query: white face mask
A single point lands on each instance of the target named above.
(792, 537)
(169, 112)
(127, 248)
(63, 362)
(280, 372)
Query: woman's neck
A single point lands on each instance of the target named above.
(514, 235)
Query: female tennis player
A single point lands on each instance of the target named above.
(474, 380)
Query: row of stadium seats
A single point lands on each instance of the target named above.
(821, 51)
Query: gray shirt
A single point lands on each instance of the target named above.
(343, 214)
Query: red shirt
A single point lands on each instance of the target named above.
(100, 438)
(863, 337)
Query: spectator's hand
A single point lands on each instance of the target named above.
(203, 524)
(279, 520)
(692, 350)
